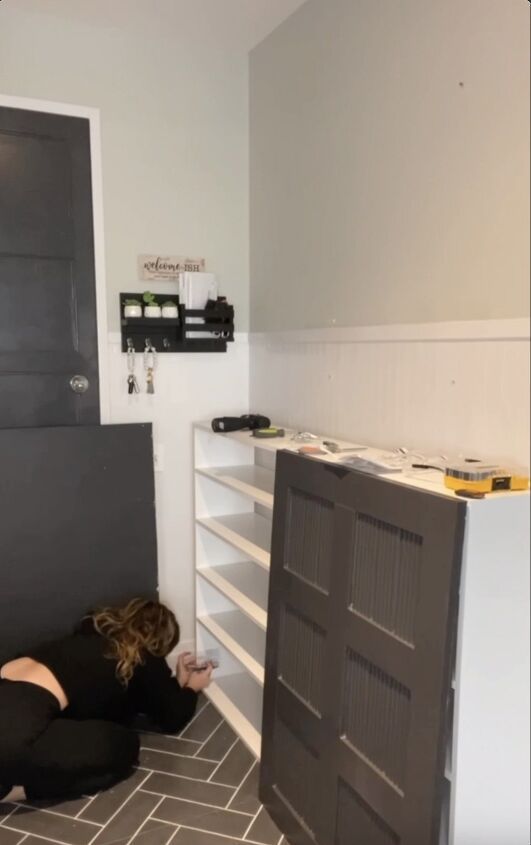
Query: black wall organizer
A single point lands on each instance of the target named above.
(179, 334)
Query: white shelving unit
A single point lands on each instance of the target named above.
(234, 492)
(250, 533)
(253, 481)
(245, 584)
(234, 487)
(487, 758)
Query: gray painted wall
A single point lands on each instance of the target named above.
(390, 164)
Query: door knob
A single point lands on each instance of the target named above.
(79, 384)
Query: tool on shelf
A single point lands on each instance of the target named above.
(246, 421)
(265, 433)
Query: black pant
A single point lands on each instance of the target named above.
(53, 757)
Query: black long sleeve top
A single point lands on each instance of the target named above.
(94, 691)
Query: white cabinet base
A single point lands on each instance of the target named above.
(487, 786)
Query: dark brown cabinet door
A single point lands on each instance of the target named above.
(47, 281)
(77, 526)
(362, 616)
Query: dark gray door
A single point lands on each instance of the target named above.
(77, 526)
(47, 281)
(361, 627)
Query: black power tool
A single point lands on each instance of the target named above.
(248, 421)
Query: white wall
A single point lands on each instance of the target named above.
(459, 388)
(172, 87)
(390, 164)
(391, 200)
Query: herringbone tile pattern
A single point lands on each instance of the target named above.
(196, 789)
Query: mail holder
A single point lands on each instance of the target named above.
(205, 330)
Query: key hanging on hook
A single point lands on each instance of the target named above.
(150, 362)
(132, 383)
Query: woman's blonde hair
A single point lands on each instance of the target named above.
(139, 627)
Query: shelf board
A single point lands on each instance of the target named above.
(241, 637)
(239, 700)
(253, 481)
(272, 444)
(248, 532)
(408, 477)
(151, 322)
(246, 584)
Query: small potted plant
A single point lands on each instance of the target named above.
(132, 308)
(170, 310)
(151, 309)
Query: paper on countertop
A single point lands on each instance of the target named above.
(195, 289)
(375, 462)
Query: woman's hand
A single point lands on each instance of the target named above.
(200, 680)
(183, 671)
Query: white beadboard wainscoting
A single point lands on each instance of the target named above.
(441, 387)
(188, 387)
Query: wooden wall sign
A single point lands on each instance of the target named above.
(167, 267)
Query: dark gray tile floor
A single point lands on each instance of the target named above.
(197, 789)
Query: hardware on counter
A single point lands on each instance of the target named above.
(304, 437)
(311, 450)
(427, 466)
(483, 478)
(335, 448)
(469, 494)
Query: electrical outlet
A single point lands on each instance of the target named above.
(158, 457)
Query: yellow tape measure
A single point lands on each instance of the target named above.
(482, 478)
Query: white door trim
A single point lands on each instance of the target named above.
(93, 116)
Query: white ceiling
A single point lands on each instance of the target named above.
(237, 24)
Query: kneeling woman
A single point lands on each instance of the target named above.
(63, 706)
